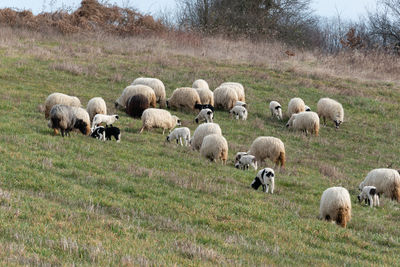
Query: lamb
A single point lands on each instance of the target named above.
(305, 121)
(295, 105)
(205, 115)
(331, 109)
(214, 147)
(266, 178)
(206, 96)
(132, 90)
(136, 105)
(106, 133)
(238, 156)
(386, 181)
(241, 103)
(157, 86)
(62, 99)
(370, 195)
(65, 119)
(239, 112)
(225, 97)
(184, 97)
(200, 107)
(158, 118)
(203, 130)
(268, 147)
(238, 88)
(179, 134)
(276, 109)
(96, 105)
(307, 108)
(335, 205)
(200, 83)
(107, 119)
(245, 161)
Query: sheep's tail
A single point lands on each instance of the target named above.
(343, 216)
(396, 192)
(282, 159)
(316, 129)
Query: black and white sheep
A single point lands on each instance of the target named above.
(105, 133)
(370, 195)
(158, 118)
(335, 206)
(200, 107)
(245, 161)
(239, 112)
(266, 178)
(180, 134)
(206, 115)
(276, 109)
(64, 118)
(386, 181)
(331, 109)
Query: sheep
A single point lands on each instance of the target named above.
(239, 112)
(307, 108)
(238, 156)
(205, 115)
(132, 90)
(370, 195)
(179, 134)
(238, 88)
(158, 87)
(335, 205)
(225, 97)
(107, 119)
(62, 99)
(386, 181)
(241, 103)
(268, 147)
(245, 161)
(106, 133)
(331, 109)
(201, 131)
(266, 178)
(307, 121)
(200, 83)
(158, 118)
(200, 107)
(82, 114)
(214, 147)
(206, 96)
(136, 105)
(184, 97)
(295, 105)
(276, 109)
(65, 119)
(96, 105)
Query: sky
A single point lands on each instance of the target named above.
(347, 9)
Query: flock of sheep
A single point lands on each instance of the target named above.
(64, 114)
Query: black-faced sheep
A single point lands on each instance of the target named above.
(184, 98)
(136, 105)
(180, 134)
(305, 121)
(64, 118)
(331, 109)
(296, 105)
(204, 115)
(238, 87)
(158, 87)
(202, 131)
(158, 118)
(268, 147)
(239, 112)
(276, 109)
(96, 105)
(132, 90)
(335, 206)
(225, 97)
(370, 195)
(266, 178)
(214, 147)
(386, 181)
(61, 99)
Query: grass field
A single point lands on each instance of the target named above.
(80, 201)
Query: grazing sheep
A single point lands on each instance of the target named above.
(295, 105)
(225, 97)
(214, 147)
(238, 156)
(239, 112)
(335, 206)
(65, 119)
(158, 118)
(206, 96)
(96, 105)
(266, 178)
(241, 103)
(245, 161)
(268, 147)
(136, 105)
(179, 134)
(238, 88)
(62, 99)
(276, 109)
(307, 108)
(331, 109)
(99, 133)
(203, 130)
(205, 115)
(155, 84)
(200, 83)
(370, 195)
(132, 90)
(184, 97)
(305, 121)
(107, 119)
(200, 107)
(386, 181)
(82, 114)
(106, 133)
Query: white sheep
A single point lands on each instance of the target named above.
(268, 147)
(225, 97)
(184, 97)
(201, 131)
(96, 105)
(331, 109)
(239, 112)
(245, 161)
(305, 121)
(335, 205)
(276, 109)
(295, 105)
(370, 195)
(65, 118)
(307, 108)
(241, 103)
(200, 83)
(133, 90)
(179, 134)
(206, 96)
(107, 119)
(266, 178)
(158, 118)
(238, 88)
(61, 99)
(205, 115)
(238, 156)
(386, 181)
(158, 87)
(214, 147)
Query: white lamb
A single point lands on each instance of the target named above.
(331, 109)
(276, 109)
(266, 178)
(179, 134)
(238, 156)
(370, 195)
(101, 118)
(239, 112)
(245, 161)
(386, 181)
(335, 205)
(205, 115)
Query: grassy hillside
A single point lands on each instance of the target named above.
(145, 202)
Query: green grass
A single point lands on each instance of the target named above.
(145, 202)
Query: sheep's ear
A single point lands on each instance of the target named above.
(372, 191)
(209, 112)
(278, 107)
(117, 117)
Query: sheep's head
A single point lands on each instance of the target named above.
(177, 120)
(237, 164)
(337, 123)
(168, 139)
(256, 183)
(116, 117)
(267, 174)
(290, 122)
(196, 120)
(307, 108)
(82, 126)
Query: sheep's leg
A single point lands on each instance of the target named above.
(323, 117)
(370, 201)
(177, 142)
(62, 132)
(141, 129)
(264, 188)
(180, 139)
(376, 200)
(163, 131)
